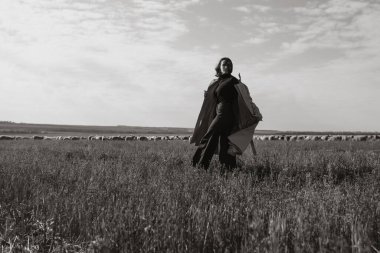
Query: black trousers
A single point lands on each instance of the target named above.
(217, 134)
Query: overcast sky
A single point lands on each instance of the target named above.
(310, 65)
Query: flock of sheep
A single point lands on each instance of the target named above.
(317, 137)
(187, 138)
(96, 137)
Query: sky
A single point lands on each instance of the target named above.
(309, 65)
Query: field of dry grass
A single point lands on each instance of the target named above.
(62, 196)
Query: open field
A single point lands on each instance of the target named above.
(143, 196)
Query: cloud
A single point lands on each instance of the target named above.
(324, 77)
(147, 62)
(255, 40)
(244, 9)
(95, 55)
(313, 37)
(252, 8)
(334, 24)
(342, 9)
(260, 8)
(260, 30)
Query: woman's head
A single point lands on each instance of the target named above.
(224, 66)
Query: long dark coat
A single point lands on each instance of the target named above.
(247, 116)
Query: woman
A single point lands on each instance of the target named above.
(222, 95)
(226, 120)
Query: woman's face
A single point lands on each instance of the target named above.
(224, 68)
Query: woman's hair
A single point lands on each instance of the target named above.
(229, 64)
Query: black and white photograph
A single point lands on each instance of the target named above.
(189, 126)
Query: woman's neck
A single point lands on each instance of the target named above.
(225, 75)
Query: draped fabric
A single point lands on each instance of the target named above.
(247, 116)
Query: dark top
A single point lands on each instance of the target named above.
(226, 92)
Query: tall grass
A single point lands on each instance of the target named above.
(145, 197)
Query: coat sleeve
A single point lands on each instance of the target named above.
(248, 118)
(206, 113)
(244, 91)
